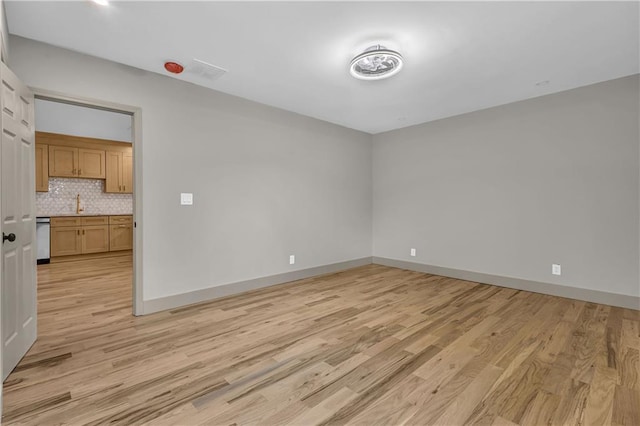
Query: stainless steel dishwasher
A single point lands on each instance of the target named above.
(43, 239)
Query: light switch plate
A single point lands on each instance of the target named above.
(186, 199)
(556, 269)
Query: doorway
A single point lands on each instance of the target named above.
(116, 185)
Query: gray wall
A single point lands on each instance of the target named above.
(505, 191)
(4, 34)
(510, 190)
(57, 117)
(267, 183)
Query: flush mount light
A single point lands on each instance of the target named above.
(102, 2)
(376, 63)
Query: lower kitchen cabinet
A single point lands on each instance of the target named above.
(121, 237)
(120, 233)
(90, 234)
(95, 239)
(66, 240)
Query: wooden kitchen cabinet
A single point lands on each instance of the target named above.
(42, 168)
(66, 240)
(63, 161)
(120, 237)
(119, 177)
(95, 239)
(66, 221)
(127, 171)
(113, 182)
(79, 235)
(120, 233)
(76, 162)
(94, 220)
(91, 163)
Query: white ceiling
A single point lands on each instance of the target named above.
(459, 56)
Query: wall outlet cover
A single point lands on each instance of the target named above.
(292, 259)
(413, 252)
(556, 269)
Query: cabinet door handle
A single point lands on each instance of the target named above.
(124, 188)
(78, 232)
(119, 187)
(83, 232)
(79, 172)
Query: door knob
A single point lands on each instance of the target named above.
(11, 237)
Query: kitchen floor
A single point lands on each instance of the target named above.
(371, 345)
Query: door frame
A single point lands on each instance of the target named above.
(136, 114)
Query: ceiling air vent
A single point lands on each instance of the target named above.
(205, 70)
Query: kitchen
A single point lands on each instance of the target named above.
(84, 183)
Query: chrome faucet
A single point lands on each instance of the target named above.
(78, 208)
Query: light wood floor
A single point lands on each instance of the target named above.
(373, 345)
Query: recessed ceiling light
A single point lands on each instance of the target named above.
(101, 2)
(376, 63)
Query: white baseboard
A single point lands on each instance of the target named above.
(206, 294)
(613, 299)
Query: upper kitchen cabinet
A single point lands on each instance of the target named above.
(119, 171)
(80, 157)
(127, 171)
(113, 181)
(91, 163)
(76, 162)
(63, 161)
(42, 168)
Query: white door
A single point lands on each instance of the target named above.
(17, 208)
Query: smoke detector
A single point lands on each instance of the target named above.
(173, 67)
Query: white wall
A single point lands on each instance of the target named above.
(267, 183)
(57, 117)
(510, 190)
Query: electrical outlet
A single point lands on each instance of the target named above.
(556, 269)
(292, 259)
(413, 252)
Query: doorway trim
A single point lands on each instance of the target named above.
(136, 113)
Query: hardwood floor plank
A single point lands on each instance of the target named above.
(625, 404)
(463, 404)
(599, 408)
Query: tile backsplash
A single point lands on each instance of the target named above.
(61, 198)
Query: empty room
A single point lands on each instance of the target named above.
(320, 212)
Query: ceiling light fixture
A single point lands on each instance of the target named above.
(376, 63)
(102, 2)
